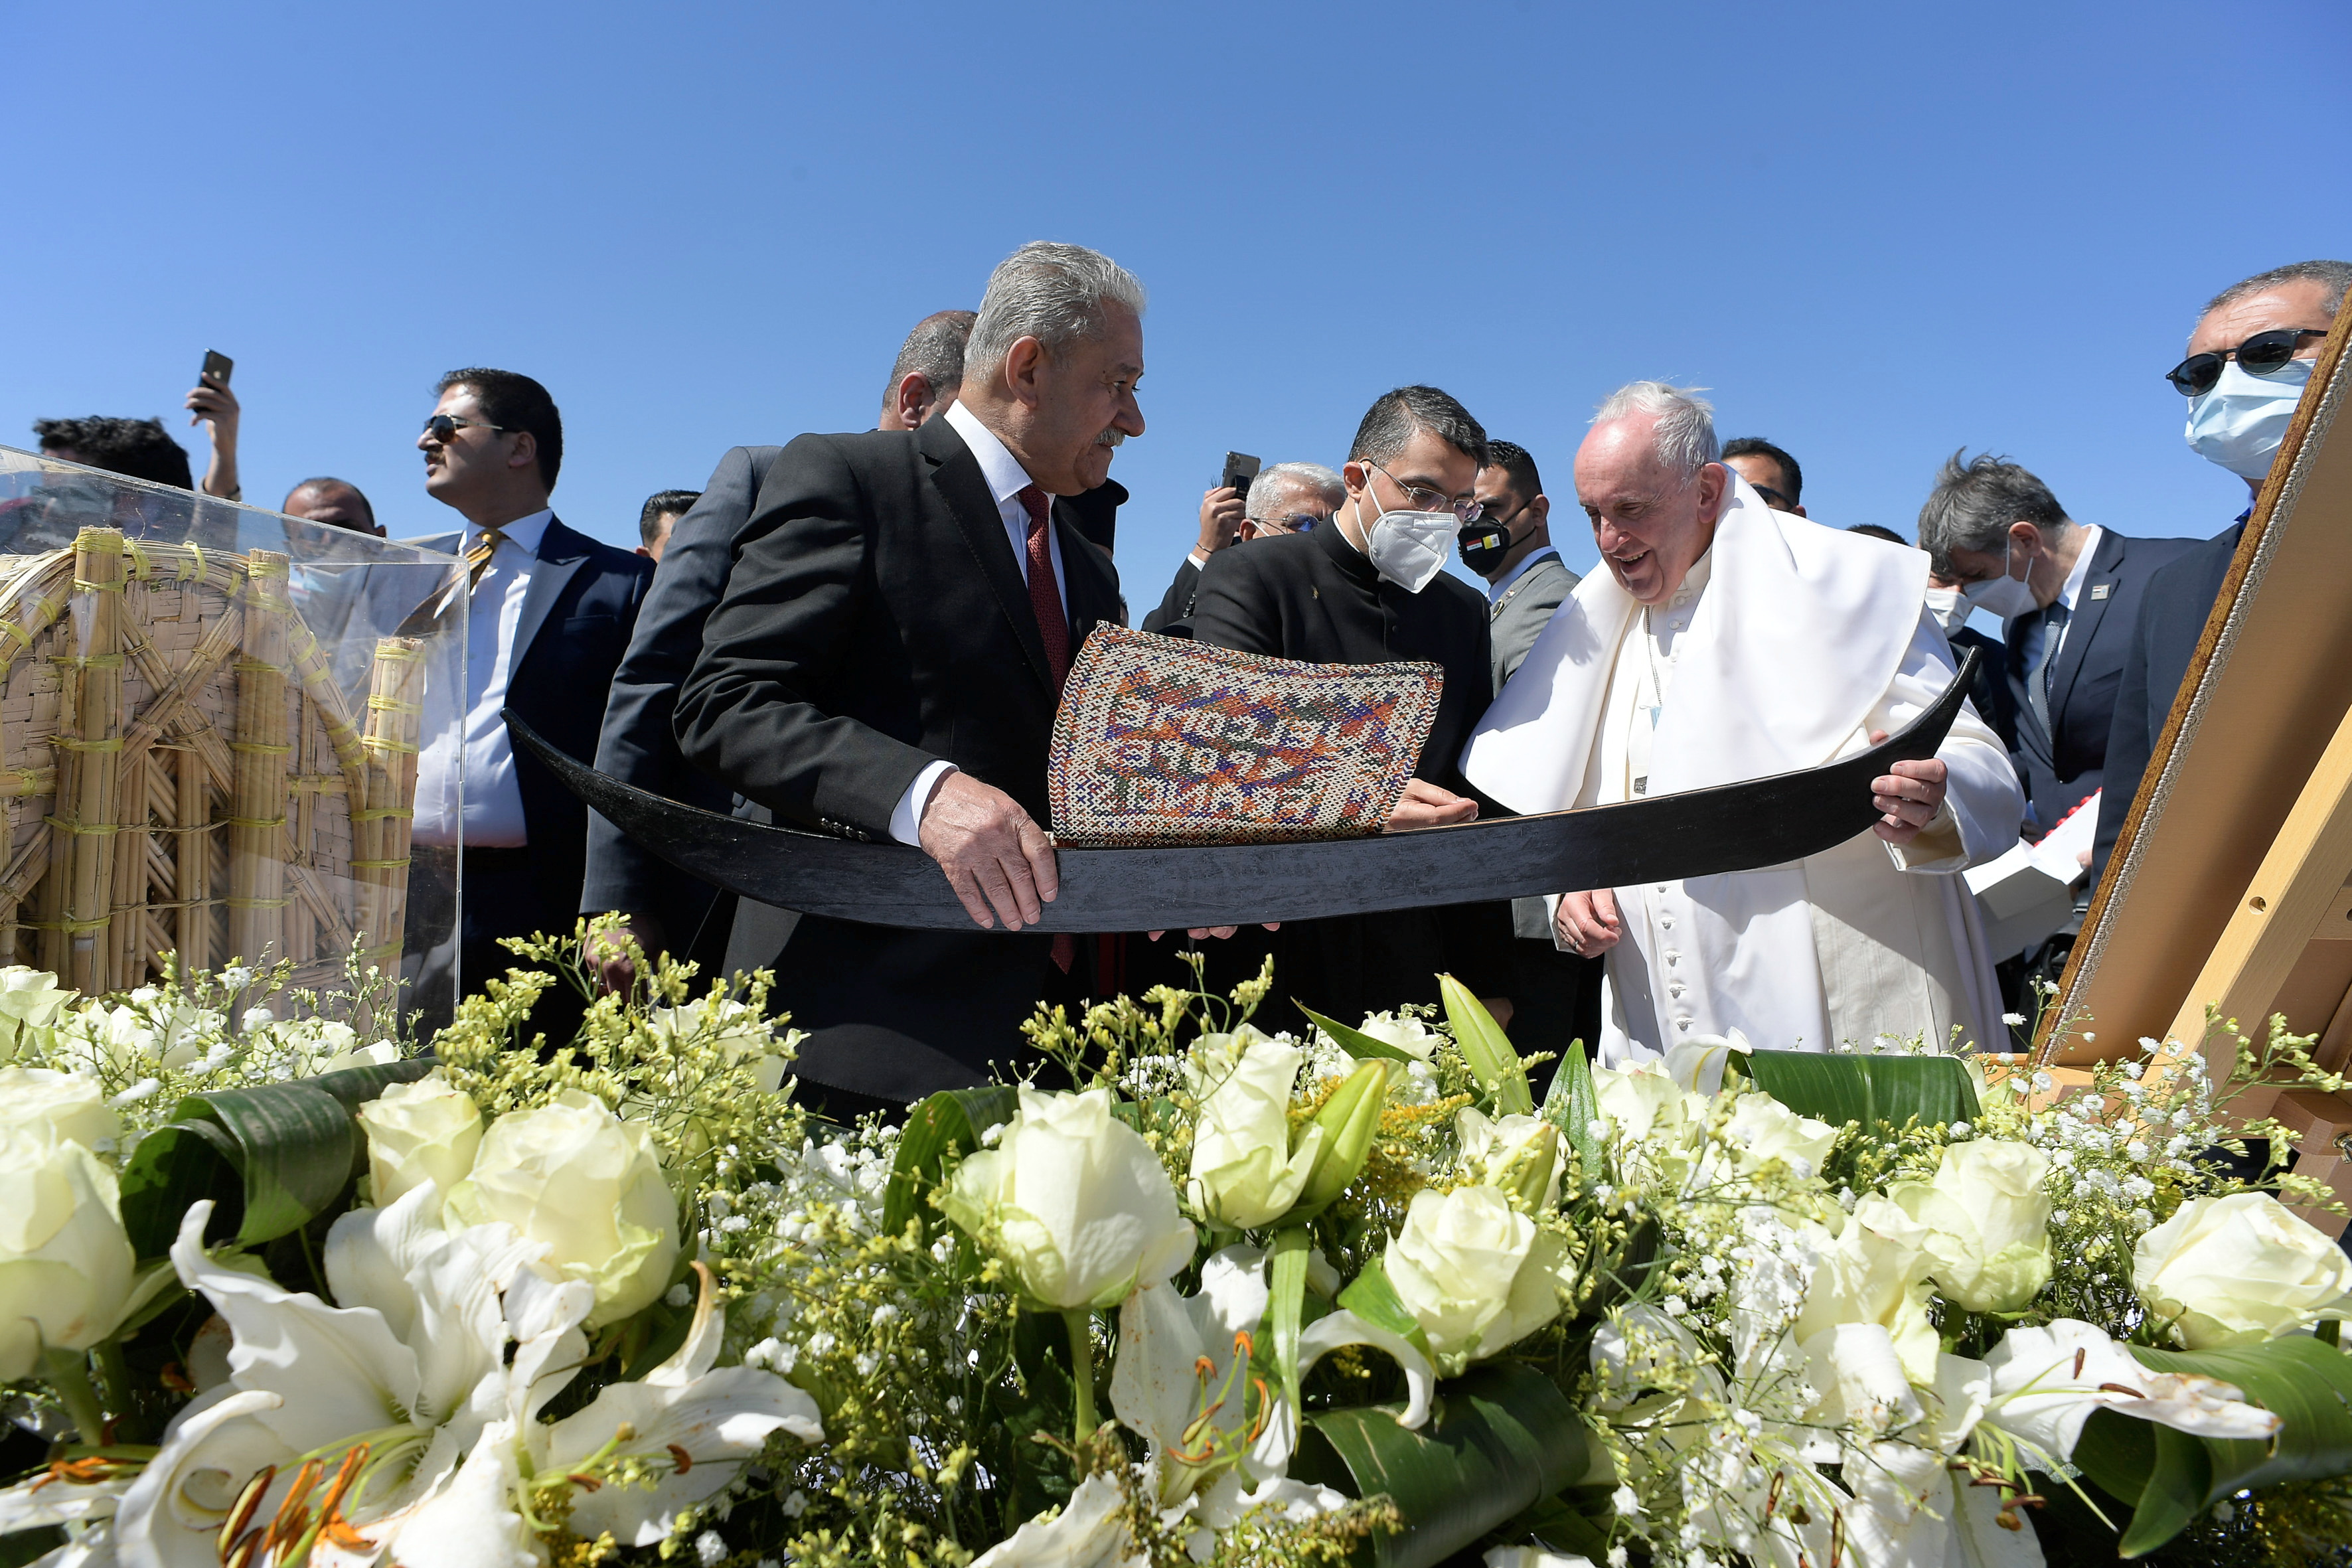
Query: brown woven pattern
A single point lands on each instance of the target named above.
(1162, 741)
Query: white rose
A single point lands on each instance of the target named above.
(1518, 1153)
(1476, 1274)
(419, 1133)
(29, 1003)
(1074, 1201)
(2238, 1270)
(65, 1261)
(69, 1102)
(1405, 1034)
(1641, 1099)
(1244, 1174)
(1874, 1271)
(577, 1178)
(1769, 1129)
(1987, 1217)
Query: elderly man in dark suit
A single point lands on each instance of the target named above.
(548, 612)
(886, 661)
(1368, 589)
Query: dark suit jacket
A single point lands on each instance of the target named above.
(2165, 632)
(577, 614)
(1995, 704)
(1178, 605)
(1315, 596)
(639, 745)
(875, 619)
(2062, 765)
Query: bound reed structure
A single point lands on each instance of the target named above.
(179, 771)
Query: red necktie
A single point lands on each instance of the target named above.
(1047, 600)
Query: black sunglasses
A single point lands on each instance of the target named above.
(2264, 354)
(1772, 498)
(441, 426)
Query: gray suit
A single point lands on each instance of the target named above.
(1517, 619)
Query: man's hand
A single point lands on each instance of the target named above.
(1588, 923)
(1424, 805)
(995, 856)
(608, 963)
(1911, 795)
(1222, 933)
(1222, 510)
(212, 402)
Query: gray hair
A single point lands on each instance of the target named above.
(934, 351)
(1054, 293)
(1272, 484)
(2335, 276)
(1973, 504)
(1685, 436)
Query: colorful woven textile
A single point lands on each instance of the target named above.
(1163, 741)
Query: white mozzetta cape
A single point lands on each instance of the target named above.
(1804, 639)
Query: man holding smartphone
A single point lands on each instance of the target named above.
(214, 406)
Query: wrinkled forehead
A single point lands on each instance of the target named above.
(2301, 303)
(1621, 457)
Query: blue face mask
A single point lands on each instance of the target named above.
(2241, 423)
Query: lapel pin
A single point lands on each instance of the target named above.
(2099, 590)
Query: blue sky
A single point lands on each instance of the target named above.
(1877, 232)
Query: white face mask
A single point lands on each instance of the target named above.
(1408, 547)
(2006, 596)
(2240, 422)
(1950, 610)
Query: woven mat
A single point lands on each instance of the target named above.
(1163, 741)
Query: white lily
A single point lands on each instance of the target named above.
(1087, 1533)
(1183, 1380)
(2046, 1382)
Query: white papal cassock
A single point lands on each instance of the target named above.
(1786, 644)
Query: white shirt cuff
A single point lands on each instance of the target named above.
(906, 816)
(1199, 558)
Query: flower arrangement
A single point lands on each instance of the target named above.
(312, 1290)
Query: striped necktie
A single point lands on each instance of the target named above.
(478, 553)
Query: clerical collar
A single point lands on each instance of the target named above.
(1693, 582)
(1345, 551)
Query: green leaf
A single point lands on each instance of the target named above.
(956, 1117)
(354, 1087)
(1838, 1089)
(1355, 1042)
(1288, 1295)
(1502, 1438)
(1372, 1297)
(1574, 1106)
(27, 1546)
(2170, 1478)
(273, 1157)
(1487, 1048)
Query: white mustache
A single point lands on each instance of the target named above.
(1111, 436)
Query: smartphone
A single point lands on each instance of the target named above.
(1240, 469)
(217, 365)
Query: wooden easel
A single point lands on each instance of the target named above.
(2229, 884)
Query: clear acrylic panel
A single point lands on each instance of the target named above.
(211, 718)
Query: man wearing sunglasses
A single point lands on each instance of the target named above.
(1730, 640)
(1287, 498)
(1370, 589)
(2248, 363)
(547, 614)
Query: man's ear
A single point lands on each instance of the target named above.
(524, 453)
(2027, 536)
(1024, 371)
(1714, 484)
(1540, 510)
(914, 398)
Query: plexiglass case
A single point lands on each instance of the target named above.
(211, 718)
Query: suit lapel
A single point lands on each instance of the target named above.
(1089, 581)
(955, 473)
(561, 552)
(2090, 609)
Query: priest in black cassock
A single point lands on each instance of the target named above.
(1370, 589)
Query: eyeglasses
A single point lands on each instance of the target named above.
(2264, 354)
(1772, 498)
(1425, 499)
(1296, 522)
(442, 427)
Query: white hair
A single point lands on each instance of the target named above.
(1684, 438)
(1272, 484)
(1054, 293)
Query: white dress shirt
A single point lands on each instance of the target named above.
(493, 800)
(1006, 480)
(1502, 585)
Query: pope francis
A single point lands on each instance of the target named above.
(1728, 641)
